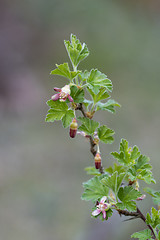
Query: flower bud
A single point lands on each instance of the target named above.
(73, 128)
(97, 161)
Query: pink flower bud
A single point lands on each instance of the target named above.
(73, 128)
(97, 161)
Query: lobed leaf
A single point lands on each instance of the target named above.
(59, 111)
(97, 80)
(102, 94)
(67, 118)
(63, 70)
(141, 169)
(130, 206)
(127, 155)
(109, 105)
(76, 51)
(94, 189)
(105, 134)
(154, 194)
(88, 126)
(142, 235)
(154, 218)
(127, 195)
(77, 94)
(114, 181)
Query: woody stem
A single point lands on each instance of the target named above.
(92, 143)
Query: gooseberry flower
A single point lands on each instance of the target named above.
(73, 128)
(101, 207)
(97, 160)
(63, 94)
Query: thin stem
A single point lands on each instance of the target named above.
(92, 143)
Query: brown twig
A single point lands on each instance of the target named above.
(144, 219)
(92, 143)
(137, 214)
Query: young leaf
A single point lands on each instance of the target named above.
(77, 94)
(109, 105)
(127, 155)
(76, 51)
(88, 126)
(97, 80)
(141, 169)
(103, 94)
(63, 70)
(84, 75)
(59, 110)
(105, 134)
(143, 235)
(154, 218)
(154, 194)
(114, 181)
(94, 189)
(116, 167)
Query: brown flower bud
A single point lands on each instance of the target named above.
(97, 161)
(73, 128)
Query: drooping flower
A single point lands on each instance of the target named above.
(73, 128)
(63, 94)
(101, 207)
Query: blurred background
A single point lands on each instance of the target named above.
(41, 168)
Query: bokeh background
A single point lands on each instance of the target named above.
(41, 169)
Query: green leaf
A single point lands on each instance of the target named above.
(130, 206)
(88, 126)
(114, 181)
(76, 51)
(109, 105)
(63, 70)
(105, 134)
(84, 75)
(92, 171)
(141, 169)
(128, 193)
(116, 167)
(59, 111)
(94, 189)
(127, 155)
(154, 194)
(97, 80)
(103, 94)
(67, 118)
(154, 218)
(77, 94)
(142, 235)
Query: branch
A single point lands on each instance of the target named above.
(92, 143)
(137, 214)
(144, 220)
